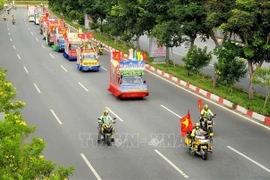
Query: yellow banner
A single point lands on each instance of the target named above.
(90, 63)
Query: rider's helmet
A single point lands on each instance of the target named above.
(205, 107)
(197, 126)
(105, 112)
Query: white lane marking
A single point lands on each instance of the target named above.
(90, 166)
(114, 114)
(212, 102)
(241, 154)
(9, 34)
(13, 47)
(37, 39)
(29, 29)
(83, 86)
(32, 33)
(51, 55)
(171, 111)
(55, 116)
(37, 88)
(64, 68)
(8, 29)
(7, 24)
(42, 46)
(25, 69)
(10, 39)
(104, 69)
(171, 163)
(18, 56)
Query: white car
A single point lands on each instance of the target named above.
(31, 18)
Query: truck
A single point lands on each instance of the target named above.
(72, 43)
(50, 31)
(127, 76)
(59, 40)
(87, 58)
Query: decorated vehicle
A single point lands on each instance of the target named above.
(72, 43)
(50, 31)
(87, 59)
(59, 39)
(36, 18)
(127, 76)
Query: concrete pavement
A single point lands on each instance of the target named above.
(78, 99)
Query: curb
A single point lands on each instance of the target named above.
(208, 95)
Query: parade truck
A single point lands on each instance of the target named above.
(59, 39)
(72, 43)
(87, 58)
(50, 31)
(127, 76)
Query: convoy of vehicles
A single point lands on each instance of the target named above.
(72, 43)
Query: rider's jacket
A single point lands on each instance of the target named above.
(106, 119)
(204, 113)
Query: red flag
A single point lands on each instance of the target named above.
(186, 124)
(200, 105)
(89, 36)
(116, 56)
(144, 56)
(82, 36)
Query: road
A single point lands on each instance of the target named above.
(178, 52)
(64, 104)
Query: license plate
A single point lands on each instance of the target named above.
(90, 64)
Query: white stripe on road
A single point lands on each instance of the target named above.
(171, 111)
(51, 55)
(114, 114)
(18, 56)
(55, 116)
(83, 86)
(9, 34)
(29, 29)
(37, 88)
(180, 54)
(8, 29)
(241, 154)
(64, 68)
(42, 46)
(37, 39)
(32, 33)
(25, 69)
(173, 165)
(10, 39)
(14, 47)
(90, 166)
(104, 68)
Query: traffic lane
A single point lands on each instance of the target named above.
(50, 91)
(37, 114)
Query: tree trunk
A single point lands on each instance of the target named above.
(215, 81)
(266, 99)
(188, 72)
(115, 40)
(192, 41)
(167, 58)
(212, 35)
(251, 85)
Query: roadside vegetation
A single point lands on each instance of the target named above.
(21, 152)
(175, 23)
(28, 2)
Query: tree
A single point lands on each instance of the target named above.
(262, 77)
(21, 157)
(250, 21)
(196, 59)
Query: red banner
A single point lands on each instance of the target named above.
(85, 36)
(116, 56)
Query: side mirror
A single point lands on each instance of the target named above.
(114, 122)
(144, 82)
(114, 118)
(99, 119)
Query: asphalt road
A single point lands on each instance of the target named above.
(47, 81)
(178, 52)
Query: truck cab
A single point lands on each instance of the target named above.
(59, 43)
(72, 43)
(87, 59)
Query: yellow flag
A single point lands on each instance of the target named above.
(138, 56)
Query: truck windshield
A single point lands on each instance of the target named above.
(74, 46)
(132, 80)
(61, 40)
(89, 56)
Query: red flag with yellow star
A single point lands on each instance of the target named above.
(186, 124)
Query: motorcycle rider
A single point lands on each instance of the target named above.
(105, 118)
(197, 130)
(4, 16)
(13, 20)
(204, 113)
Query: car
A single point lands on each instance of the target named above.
(31, 18)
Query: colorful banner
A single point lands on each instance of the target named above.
(133, 88)
(89, 63)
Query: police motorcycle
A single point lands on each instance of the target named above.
(106, 131)
(208, 123)
(201, 145)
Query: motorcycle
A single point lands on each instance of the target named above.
(201, 146)
(13, 21)
(106, 131)
(208, 123)
(5, 18)
(100, 50)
